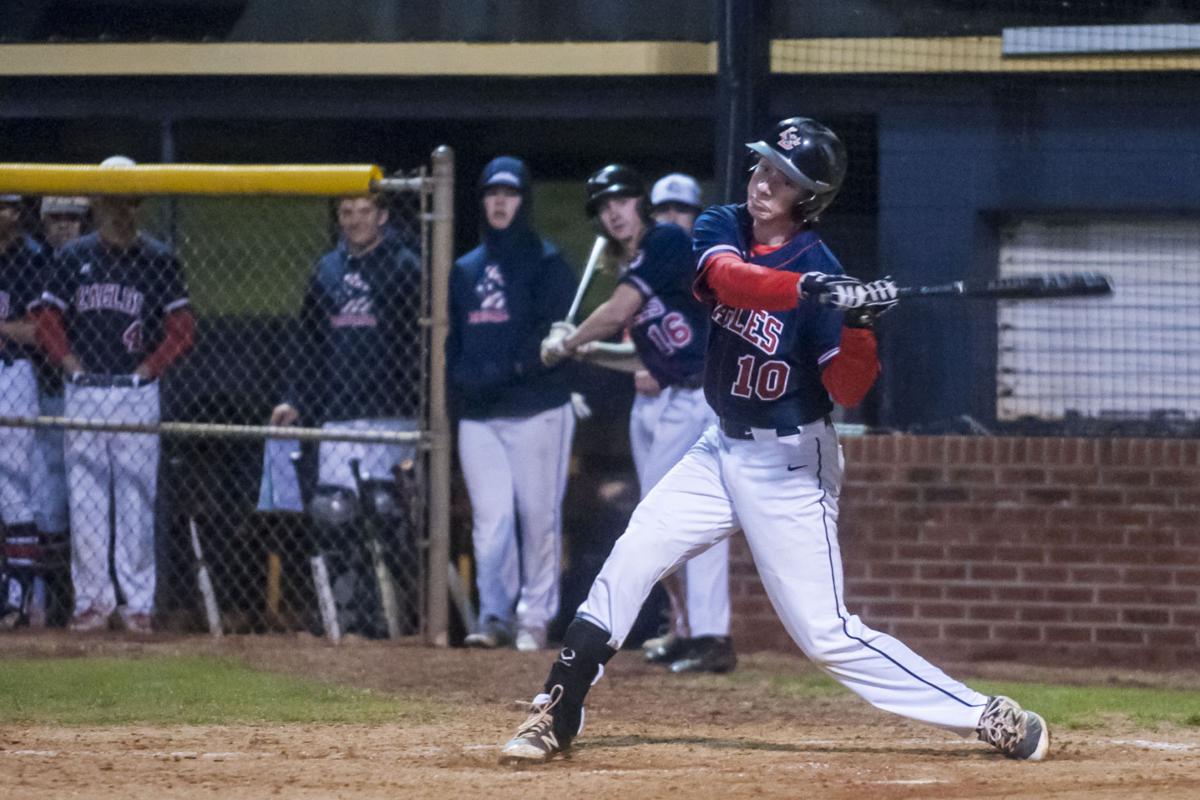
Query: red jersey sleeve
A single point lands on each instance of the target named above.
(850, 374)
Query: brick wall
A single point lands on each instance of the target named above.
(1040, 549)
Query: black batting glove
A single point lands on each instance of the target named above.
(840, 291)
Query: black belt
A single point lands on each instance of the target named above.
(736, 430)
(105, 380)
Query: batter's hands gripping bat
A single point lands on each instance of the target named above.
(585, 280)
(1023, 287)
(383, 573)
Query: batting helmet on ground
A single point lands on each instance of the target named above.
(810, 156)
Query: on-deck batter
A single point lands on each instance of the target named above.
(668, 327)
(777, 352)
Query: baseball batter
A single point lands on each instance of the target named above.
(115, 315)
(669, 329)
(22, 267)
(778, 357)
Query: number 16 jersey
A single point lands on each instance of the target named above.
(763, 368)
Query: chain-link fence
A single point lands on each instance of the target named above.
(1013, 138)
(219, 410)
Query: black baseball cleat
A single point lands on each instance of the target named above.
(535, 741)
(1015, 732)
(707, 654)
(666, 649)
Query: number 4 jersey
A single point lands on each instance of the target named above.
(114, 301)
(764, 367)
(669, 330)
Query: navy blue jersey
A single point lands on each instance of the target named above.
(764, 367)
(355, 350)
(22, 273)
(114, 301)
(670, 330)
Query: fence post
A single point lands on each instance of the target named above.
(441, 260)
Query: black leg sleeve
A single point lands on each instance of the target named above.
(585, 649)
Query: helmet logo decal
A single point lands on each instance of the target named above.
(788, 138)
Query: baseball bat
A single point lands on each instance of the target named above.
(325, 601)
(1022, 287)
(212, 614)
(383, 573)
(588, 271)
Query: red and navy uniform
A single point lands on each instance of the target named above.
(22, 273)
(771, 359)
(670, 331)
(114, 302)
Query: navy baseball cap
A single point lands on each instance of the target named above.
(505, 171)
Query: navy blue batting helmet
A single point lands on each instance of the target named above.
(810, 156)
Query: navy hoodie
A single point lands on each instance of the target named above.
(503, 296)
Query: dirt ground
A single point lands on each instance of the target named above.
(649, 735)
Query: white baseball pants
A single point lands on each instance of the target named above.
(50, 471)
(18, 398)
(516, 471)
(375, 459)
(661, 431)
(126, 463)
(783, 492)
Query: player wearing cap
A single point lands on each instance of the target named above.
(668, 326)
(675, 198)
(63, 220)
(115, 315)
(515, 417)
(22, 270)
(779, 355)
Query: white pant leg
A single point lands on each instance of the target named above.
(685, 513)
(786, 495)
(682, 419)
(643, 418)
(18, 398)
(376, 459)
(539, 450)
(88, 480)
(488, 475)
(135, 483)
(49, 471)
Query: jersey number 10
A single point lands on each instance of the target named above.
(769, 383)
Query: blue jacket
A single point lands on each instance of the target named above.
(356, 350)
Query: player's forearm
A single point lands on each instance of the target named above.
(51, 335)
(608, 319)
(22, 331)
(852, 372)
(733, 282)
(179, 334)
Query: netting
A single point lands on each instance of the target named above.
(217, 411)
(1013, 138)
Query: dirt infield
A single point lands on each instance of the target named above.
(650, 735)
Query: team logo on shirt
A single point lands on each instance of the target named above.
(356, 309)
(756, 326)
(789, 138)
(109, 297)
(493, 301)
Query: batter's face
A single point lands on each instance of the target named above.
(62, 228)
(675, 214)
(500, 206)
(770, 197)
(621, 218)
(361, 222)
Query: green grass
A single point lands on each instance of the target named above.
(1068, 706)
(192, 690)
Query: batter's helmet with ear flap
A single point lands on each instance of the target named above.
(810, 156)
(615, 180)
